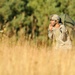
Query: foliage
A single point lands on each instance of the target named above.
(33, 14)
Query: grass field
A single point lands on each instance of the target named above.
(29, 59)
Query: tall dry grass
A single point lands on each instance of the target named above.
(29, 59)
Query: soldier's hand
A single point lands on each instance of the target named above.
(50, 27)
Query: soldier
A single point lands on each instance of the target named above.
(58, 33)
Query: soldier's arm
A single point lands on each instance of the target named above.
(63, 29)
(63, 36)
(50, 32)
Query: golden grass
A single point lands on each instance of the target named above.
(29, 59)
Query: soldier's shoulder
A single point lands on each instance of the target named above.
(62, 25)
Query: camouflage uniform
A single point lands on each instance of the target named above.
(61, 39)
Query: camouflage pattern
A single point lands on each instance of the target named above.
(60, 37)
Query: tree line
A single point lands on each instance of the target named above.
(30, 18)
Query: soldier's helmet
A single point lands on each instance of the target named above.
(54, 17)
